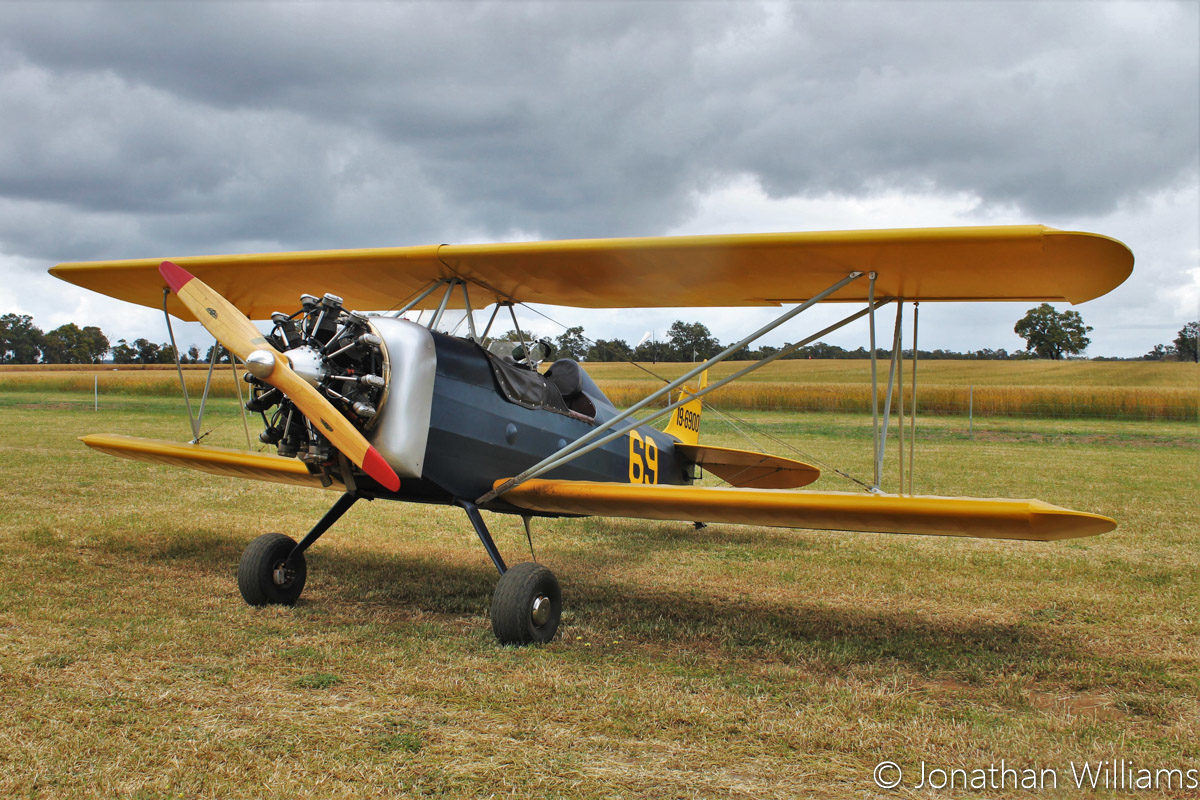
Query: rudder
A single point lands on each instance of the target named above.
(684, 424)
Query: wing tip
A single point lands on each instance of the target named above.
(1054, 523)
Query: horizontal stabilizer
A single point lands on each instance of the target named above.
(876, 513)
(216, 460)
(749, 470)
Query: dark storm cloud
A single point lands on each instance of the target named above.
(172, 127)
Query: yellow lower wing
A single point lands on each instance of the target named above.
(217, 460)
(944, 516)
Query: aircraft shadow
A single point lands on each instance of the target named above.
(678, 621)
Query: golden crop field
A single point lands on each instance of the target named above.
(728, 662)
(1117, 390)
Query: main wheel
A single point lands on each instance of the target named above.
(527, 605)
(264, 575)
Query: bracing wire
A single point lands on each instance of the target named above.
(728, 417)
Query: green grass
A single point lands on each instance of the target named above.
(727, 662)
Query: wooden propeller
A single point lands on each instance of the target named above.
(238, 335)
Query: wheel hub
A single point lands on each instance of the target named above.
(281, 575)
(541, 610)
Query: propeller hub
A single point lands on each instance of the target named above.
(308, 363)
(260, 364)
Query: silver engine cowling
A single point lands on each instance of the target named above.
(378, 371)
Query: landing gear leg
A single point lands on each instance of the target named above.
(273, 571)
(527, 603)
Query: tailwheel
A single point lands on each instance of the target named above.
(527, 605)
(266, 576)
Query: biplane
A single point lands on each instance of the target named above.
(357, 398)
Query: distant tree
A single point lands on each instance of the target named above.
(514, 336)
(610, 350)
(95, 344)
(572, 343)
(650, 350)
(20, 339)
(754, 354)
(70, 344)
(193, 354)
(823, 350)
(223, 358)
(1051, 334)
(1160, 352)
(123, 353)
(145, 351)
(166, 354)
(691, 342)
(1187, 346)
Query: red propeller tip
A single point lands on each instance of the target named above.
(175, 275)
(374, 465)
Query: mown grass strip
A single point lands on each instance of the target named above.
(726, 662)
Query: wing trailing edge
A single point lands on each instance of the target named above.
(942, 516)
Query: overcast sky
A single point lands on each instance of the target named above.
(155, 129)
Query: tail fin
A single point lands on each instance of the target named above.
(685, 420)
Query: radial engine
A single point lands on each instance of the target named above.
(377, 371)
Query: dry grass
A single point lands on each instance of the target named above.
(152, 380)
(1115, 390)
(730, 662)
(1035, 401)
(1032, 372)
(1118, 390)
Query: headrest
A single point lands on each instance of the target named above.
(565, 375)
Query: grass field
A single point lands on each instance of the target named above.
(728, 662)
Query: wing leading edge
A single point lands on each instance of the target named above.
(215, 460)
(944, 516)
(1012, 263)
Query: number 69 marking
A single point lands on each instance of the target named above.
(643, 459)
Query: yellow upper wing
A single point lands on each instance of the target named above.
(1025, 262)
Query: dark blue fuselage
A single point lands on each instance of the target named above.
(477, 436)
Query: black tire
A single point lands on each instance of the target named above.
(262, 577)
(514, 619)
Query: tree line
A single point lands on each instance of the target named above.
(22, 342)
(1048, 334)
(1186, 346)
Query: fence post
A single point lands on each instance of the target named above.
(971, 411)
